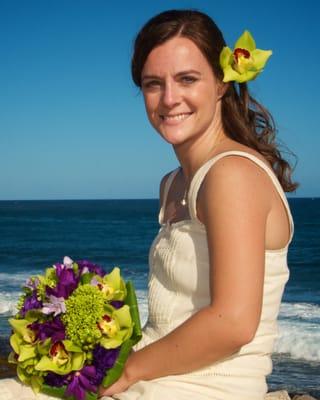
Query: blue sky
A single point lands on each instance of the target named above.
(73, 125)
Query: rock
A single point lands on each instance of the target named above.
(278, 395)
(303, 397)
(6, 370)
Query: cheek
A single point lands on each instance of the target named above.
(150, 105)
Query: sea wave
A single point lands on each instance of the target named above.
(300, 311)
(8, 303)
(300, 341)
(14, 280)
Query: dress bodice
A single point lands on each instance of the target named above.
(179, 284)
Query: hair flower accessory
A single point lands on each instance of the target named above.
(245, 62)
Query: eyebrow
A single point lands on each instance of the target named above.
(189, 71)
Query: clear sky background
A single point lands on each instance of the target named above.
(73, 125)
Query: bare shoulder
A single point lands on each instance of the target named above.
(236, 182)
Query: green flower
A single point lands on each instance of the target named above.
(112, 285)
(63, 358)
(84, 308)
(245, 62)
(27, 352)
(116, 327)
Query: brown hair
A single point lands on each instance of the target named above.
(243, 118)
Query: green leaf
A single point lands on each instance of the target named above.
(115, 372)
(131, 301)
(245, 41)
(86, 278)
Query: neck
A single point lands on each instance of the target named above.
(192, 155)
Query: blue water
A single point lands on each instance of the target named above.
(36, 234)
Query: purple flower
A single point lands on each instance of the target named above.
(117, 303)
(50, 329)
(81, 382)
(30, 303)
(67, 262)
(56, 305)
(88, 266)
(32, 283)
(53, 379)
(103, 360)
(67, 282)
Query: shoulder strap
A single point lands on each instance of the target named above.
(202, 171)
(165, 193)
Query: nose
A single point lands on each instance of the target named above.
(171, 95)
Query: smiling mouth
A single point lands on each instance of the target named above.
(175, 117)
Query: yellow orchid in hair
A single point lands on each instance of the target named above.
(245, 62)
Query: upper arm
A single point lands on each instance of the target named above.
(234, 205)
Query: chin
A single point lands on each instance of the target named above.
(173, 138)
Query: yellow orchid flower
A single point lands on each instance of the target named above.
(245, 62)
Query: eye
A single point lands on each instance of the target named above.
(188, 79)
(151, 84)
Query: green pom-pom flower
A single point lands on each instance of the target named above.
(245, 62)
(84, 308)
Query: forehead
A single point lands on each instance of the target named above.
(176, 54)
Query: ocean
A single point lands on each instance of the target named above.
(36, 234)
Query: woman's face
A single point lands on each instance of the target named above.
(180, 91)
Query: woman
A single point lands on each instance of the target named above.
(218, 265)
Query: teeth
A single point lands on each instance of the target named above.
(177, 117)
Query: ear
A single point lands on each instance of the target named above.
(222, 88)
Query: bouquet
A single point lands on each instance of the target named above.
(74, 329)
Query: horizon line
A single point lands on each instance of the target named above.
(126, 199)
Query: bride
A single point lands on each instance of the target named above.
(218, 265)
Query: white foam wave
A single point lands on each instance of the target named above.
(300, 311)
(8, 303)
(15, 279)
(300, 340)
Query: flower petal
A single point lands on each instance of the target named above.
(226, 57)
(245, 41)
(230, 74)
(260, 58)
(247, 76)
(123, 316)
